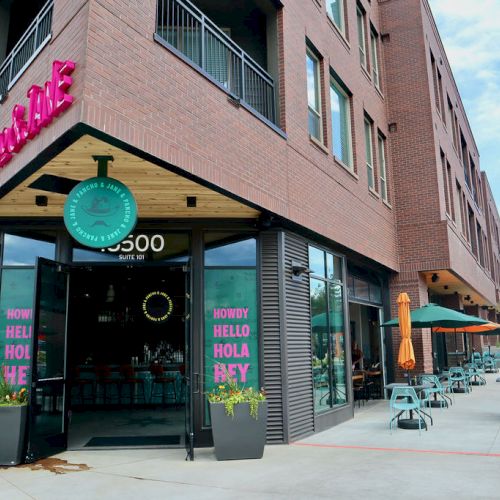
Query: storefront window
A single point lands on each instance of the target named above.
(16, 302)
(223, 249)
(231, 315)
(23, 251)
(327, 331)
(141, 246)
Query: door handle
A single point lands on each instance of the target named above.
(196, 380)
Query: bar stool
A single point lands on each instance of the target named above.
(164, 382)
(106, 383)
(130, 380)
(80, 383)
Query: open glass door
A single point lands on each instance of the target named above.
(48, 426)
(188, 376)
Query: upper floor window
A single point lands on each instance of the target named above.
(361, 37)
(374, 54)
(313, 96)
(382, 167)
(369, 153)
(335, 9)
(341, 123)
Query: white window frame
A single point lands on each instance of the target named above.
(340, 26)
(381, 141)
(370, 170)
(363, 58)
(317, 91)
(335, 85)
(374, 53)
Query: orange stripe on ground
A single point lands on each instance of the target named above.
(404, 450)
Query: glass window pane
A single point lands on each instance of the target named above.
(337, 274)
(317, 261)
(312, 83)
(16, 302)
(361, 289)
(329, 266)
(320, 352)
(144, 246)
(334, 8)
(337, 342)
(23, 251)
(340, 125)
(230, 249)
(375, 293)
(361, 38)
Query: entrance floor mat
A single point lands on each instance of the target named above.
(134, 440)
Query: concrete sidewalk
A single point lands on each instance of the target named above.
(458, 456)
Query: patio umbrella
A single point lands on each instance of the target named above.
(489, 328)
(432, 315)
(406, 356)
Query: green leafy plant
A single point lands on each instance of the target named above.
(231, 393)
(10, 397)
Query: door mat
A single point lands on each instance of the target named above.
(134, 441)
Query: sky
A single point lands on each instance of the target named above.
(470, 31)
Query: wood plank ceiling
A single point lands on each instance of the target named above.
(158, 192)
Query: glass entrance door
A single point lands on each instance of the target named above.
(48, 427)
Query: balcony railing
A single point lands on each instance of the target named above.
(31, 43)
(184, 27)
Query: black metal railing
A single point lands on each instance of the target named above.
(26, 49)
(187, 29)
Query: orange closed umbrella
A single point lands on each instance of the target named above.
(406, 356)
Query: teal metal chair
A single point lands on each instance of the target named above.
(438, 389)
(474, 374)
(489, 364)
(457, 376)
(404, 399)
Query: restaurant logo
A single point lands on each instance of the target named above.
(44, 104)
(157, 306)
(100, 212)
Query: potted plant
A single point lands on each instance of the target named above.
(239, 421)
(13, 411)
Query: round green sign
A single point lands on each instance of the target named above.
(100, 212)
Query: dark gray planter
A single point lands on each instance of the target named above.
(12, 427)
(241, 436)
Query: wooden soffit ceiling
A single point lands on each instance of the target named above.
(159, 193)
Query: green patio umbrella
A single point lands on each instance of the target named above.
(432, 315)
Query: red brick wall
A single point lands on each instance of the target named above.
(134, 89)
(69, 33)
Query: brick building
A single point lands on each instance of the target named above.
(270, 147)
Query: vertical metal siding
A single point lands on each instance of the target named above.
(271, 334)
(298, 342)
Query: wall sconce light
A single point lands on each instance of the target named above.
(298, 269)
(435, 278)
(191, 201)
(445, 287)
(466, 297)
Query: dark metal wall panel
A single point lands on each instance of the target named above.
(271, 324)
(298, 342)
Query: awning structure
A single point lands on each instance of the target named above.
(159, 192)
